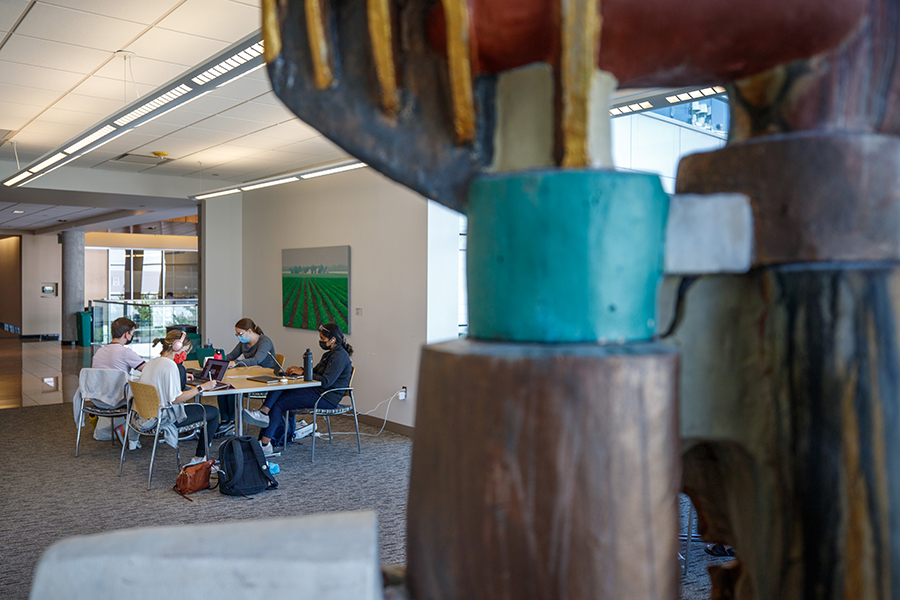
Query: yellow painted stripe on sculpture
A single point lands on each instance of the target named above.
(456, 14)
(271, 32)
(580, 36)
(318, 44)
(379, 13)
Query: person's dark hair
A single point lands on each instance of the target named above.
(331, 330)
(246, 323)
(172, 337)
(120, 327)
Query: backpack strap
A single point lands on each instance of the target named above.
(235, 446)
(263, 463)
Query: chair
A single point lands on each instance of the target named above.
(315, 411)
(96, 385)
(146, 405)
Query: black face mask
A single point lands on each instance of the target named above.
(323, 345)
(129, 340)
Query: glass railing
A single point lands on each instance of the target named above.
(151, 318)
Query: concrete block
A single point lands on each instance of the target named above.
(709, 234)
(326, 557)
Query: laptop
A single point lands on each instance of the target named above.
(280, 374)
(213, 369)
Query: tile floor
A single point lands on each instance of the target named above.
(34, 373)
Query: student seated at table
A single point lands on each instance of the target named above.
(253, 349)
(333, 370)
(162, 373)
(115, 355)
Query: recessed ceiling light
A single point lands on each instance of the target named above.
(18, 212)
(61, 220)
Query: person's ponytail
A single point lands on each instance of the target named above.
(347, 347)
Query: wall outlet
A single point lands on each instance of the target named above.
(358, 312)
(402, 393)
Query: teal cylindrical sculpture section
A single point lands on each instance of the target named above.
(565, 256)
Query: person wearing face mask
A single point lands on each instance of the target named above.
(163, 373)
(115, 355)
(333, 370)
(254, 348)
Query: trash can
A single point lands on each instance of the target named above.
(85, 331)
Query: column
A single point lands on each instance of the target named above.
(72, 293)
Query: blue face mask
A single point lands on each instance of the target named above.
(243, 339)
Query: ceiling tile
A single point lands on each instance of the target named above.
(139, 11)
(10, 11)
(312, 147)
(175, 47)
(30, 209)
(180, 117)
(88, 104)
(177, 148)
(18, 111)
(269, 98)
(236, 127)
(211, 104)
(261, 142)
(292, 131)
(69, 117)
(112, 165)
(26, 95)
(53, 55)
(265, 113)
(112, 89)
(77, 27)
(144, 70)
(244, 88)
(216, 19)
(44, 127)
(158, 129)
(37, 77)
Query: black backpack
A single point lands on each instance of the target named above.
(244, 466)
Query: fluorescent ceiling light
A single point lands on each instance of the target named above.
(266, 184)
(90, 139)
(18, 212)
(17, 178)
(43, 165)
(216, 194)
(334, 170)
(224, 83)
(240, 59)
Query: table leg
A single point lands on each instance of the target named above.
(238, 417)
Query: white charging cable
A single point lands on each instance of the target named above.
(386, 412)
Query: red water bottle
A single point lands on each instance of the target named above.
(217, 355)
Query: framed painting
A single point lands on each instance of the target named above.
(315, 287)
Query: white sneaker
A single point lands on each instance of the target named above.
(134, 444)
(255, 417)
(195, 460)
(268, 450)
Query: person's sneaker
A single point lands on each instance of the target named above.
(226, 428)
(268, 450)
(195, 460)
(134, 444)
(255, 417)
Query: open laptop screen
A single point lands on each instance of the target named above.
(214, 369)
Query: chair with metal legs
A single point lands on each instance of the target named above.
(94, 386)
(315, 411)
(146, 405)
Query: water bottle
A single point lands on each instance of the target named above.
(307, 366)
(218, 354)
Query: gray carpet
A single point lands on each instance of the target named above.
(47, 494)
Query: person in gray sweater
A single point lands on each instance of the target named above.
(254, 348)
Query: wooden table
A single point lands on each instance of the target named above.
(237, 377)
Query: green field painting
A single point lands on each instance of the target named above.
(315, 287)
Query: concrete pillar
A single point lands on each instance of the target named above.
(72, 283)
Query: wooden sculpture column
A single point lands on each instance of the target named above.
(791, 379)
(545, 464)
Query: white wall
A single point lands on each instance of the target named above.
(41, 263)
(443, 273)
(386, 227)
(654, 144)
(220, 269)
